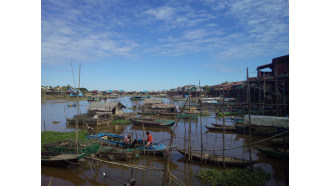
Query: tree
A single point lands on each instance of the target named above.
(84, 90)
(207, 89)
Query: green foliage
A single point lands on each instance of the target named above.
(51, 136)
(121, 122)
(84, 90)
(207, 89)
(234, 177)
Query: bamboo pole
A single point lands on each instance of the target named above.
(201, 125)
(263, 109)
(144, 149)
(248, 93)
(45, 129)
(223, 132)
(189, 133)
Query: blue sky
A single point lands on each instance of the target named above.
(155, 45)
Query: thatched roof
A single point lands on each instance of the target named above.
(163, 106)
(152, 101)
(104, 106)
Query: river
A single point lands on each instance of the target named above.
(58, 110)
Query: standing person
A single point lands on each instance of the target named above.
(149, 139)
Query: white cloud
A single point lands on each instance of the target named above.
(194, 34)
(162, 13)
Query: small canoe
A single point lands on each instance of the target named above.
(217, 159)
(153, 123)
(227, 128)
(58, 159)
(220, 125)
(274, 152)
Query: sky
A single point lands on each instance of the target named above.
(157, 45)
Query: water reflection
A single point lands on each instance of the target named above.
(57, 110)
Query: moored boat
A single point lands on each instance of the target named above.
(259, 130)
(274, 152)
(59, 159)
(217, 159)
(221, 128)
(137, 98)
(153, 122)
(118, 141)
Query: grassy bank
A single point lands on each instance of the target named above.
(51, 136)
(61, 98)
(234, 177)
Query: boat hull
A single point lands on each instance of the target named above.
(217, 160)
(148, 123)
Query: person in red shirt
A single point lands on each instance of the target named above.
(149, 138)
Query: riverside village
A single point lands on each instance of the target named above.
(233, 133)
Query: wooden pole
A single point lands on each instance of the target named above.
(189, 133)
(263, 109)
(259, 91)
(144, 149)
(223, 132)
(45, 129)
(201, 125)
(248, 93)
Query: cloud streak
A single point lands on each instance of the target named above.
(93, 30)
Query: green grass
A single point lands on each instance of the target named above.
(51, 136)
(121, 122)
(234, 177)
(228, 113)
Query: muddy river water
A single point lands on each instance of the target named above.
(91, 173)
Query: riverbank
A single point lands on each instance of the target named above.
(43, 98)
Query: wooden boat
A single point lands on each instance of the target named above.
(220, 128)
(158, 113)
(274, 152)
(153, 123)
(186, 116)
(118, 142)
(137, 98)
(280, 142)
(259, 130)
(221, 125)
(217, 159)
(59, 159)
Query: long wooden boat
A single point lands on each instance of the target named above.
(158, 113)
(118, 142)
(58, 159)
(221, 128)
(186, 116)
(274, 152)
(217, 159)
(137, 98)
(153, 123)
(280, 142)
(259, 130)
(221, 125)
